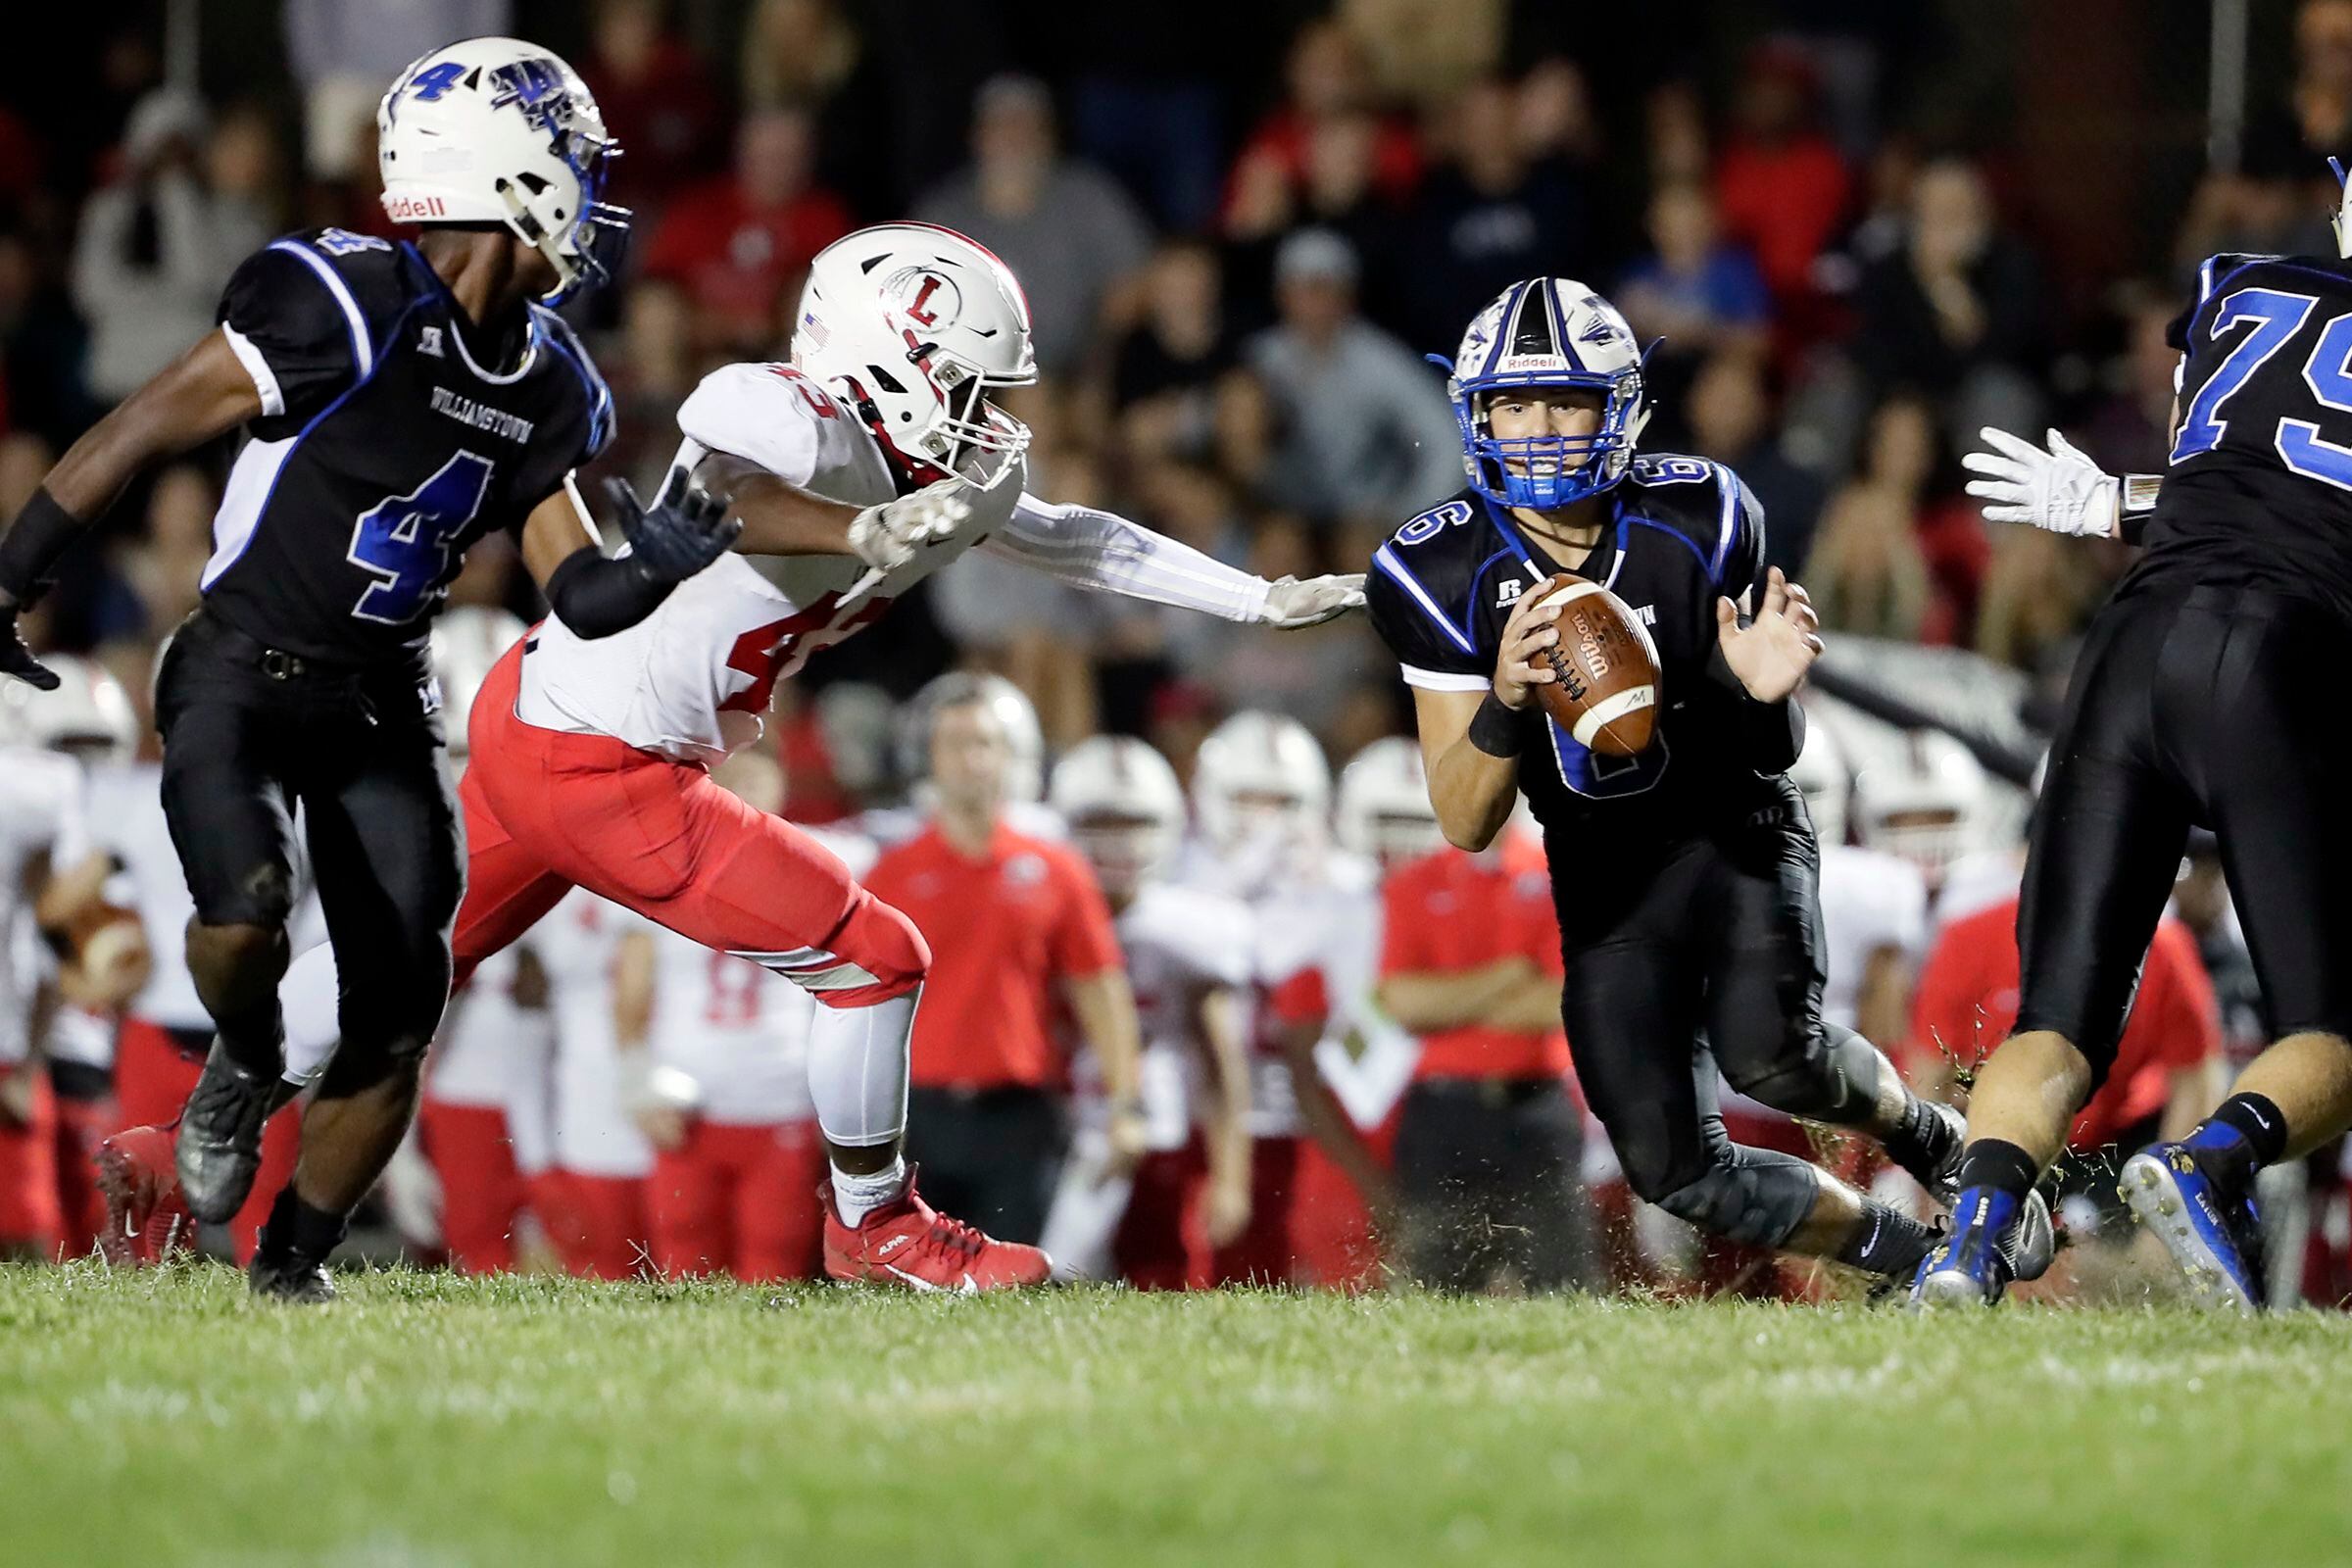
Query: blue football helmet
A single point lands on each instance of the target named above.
(1547, 332)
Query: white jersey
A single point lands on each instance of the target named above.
(489, 1041)
(692, 679)
(1870, 901)
(1309, 922)
(739, 1031)
(41, 819)
(1366, 1056)
(127, 819)
(579, 944)
(1180, 944)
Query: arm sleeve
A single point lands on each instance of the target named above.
(296, 326)
(770, 414)
(1084, 942)
(1433, 644)
(1100, 550)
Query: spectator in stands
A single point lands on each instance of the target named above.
(343, 54)
(2131, 429)
(1148, 100)
(1337, 189)
(156, 246)
(1422, 53)
(153, 580)
(2036, 596)
(1489, 1140)
(1366, 436)
(1957, 311)
(1018, 931)
(44, 348)
(808, 55)
(1166, 369)
(1779, 184)
(740, 245)
(657, 97)
(1493, 213)
(1866, 571)
(1326, 76)
(1694, 293)
(2292, 137)
(1729, 416)
(1075, 240)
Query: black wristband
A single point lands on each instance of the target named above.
(1496, 730)
(29, 551)
(596, 596)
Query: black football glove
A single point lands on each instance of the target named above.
(16, 660)
(683, 531)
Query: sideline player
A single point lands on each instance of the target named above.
(1189, 960)
(1684, 877)
(2206, 694)
(402, 401)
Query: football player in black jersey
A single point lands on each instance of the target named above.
(2206, 695)
(400, 401)
(1685, 876)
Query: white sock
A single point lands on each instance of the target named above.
(856, 1196)
(858, 1070)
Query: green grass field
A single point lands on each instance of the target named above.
(165, 1418)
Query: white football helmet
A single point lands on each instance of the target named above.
(1260, 777)
(1013, 710)
(466, 642)
(1546, 333)
(1124, 809)
(497, 130)
(915, 324)
(1930, 803)
(1384, 811)
(90, 713)
(1822, 772)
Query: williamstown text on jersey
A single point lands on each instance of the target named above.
(388, 442)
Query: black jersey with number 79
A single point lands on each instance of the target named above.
(388, 443)
(2260, 487)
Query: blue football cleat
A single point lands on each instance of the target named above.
(1995, 1239)
(2212, 1233)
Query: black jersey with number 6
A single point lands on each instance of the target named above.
(2259, 492)
(1681, 531)
(387, 444)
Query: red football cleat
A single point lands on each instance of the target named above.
(145, 1217)
(912, 1245)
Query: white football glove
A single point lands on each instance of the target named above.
(1291, 603)
(2059, 490)
(888, 536)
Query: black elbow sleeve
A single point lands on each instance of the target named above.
(597, 597)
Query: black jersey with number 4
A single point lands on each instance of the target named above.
(2260, 487)
(1681, 531)
(387, 443)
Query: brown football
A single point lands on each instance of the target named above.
(1606, 686)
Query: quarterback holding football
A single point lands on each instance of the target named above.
(1593, 626)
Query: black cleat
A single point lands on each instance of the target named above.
(1934, 1159)
(290, 1277)
(220, 1148)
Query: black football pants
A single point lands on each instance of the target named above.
(2207, 705)
(249, 735)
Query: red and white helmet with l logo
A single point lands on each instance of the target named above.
(919, 323)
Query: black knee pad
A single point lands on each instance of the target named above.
(1754, 1197)
(1828, 1076)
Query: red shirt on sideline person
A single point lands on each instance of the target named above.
(1005, 930)
(1966, 1004)
(1452, 912)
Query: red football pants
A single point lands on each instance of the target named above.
(81, 1126)
(601, 1233)
(548, 811)
(1264, 1253)
(739, 1199)
(481, 1190)
(151, 1082)
(1338, 1246)
(30, 1220)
